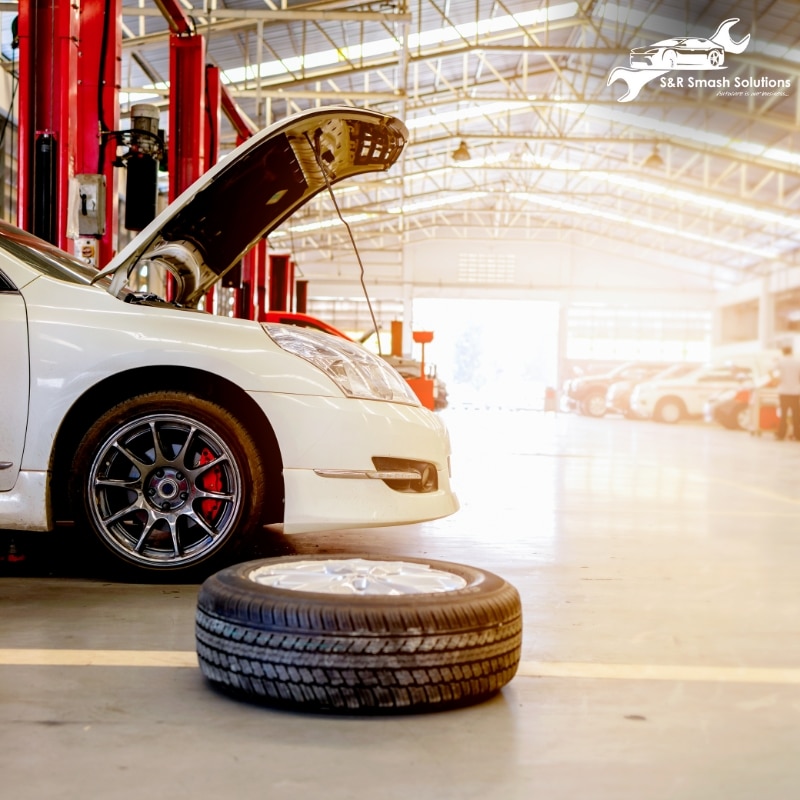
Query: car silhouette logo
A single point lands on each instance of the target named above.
(679, 53)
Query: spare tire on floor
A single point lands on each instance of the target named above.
(358, 634)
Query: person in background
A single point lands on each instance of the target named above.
(788, 371)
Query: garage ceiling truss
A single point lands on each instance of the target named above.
(695, 178)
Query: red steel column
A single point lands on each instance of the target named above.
(99, 70)
(186, 112)
(257, 259)
(48, 37)
(281, 282)
(301, 297)
(254, 288)
(187, 106)
(213, 104)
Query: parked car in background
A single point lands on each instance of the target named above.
(732, 408)
(172, 434)
(671, 400)
(618, 396)
(587, 393)
(729, 408)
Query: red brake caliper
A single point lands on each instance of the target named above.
(211, 481)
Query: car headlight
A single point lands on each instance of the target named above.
(356, 371)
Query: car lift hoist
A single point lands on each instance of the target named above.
(72, 145)
(70, 135)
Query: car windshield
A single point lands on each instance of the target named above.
(43, 256)
(676, 371)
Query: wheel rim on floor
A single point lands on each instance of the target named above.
(357, 576)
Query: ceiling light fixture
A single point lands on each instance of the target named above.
(654, 160)
(461, 153)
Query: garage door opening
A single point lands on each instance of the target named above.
(491, 353)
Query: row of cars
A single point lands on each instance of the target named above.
(666, 393)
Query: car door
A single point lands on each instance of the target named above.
(14, 381)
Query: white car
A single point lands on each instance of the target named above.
(673, 399)
(170, 433)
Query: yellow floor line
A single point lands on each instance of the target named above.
(527, 669)
(658, 672)
(98, 658)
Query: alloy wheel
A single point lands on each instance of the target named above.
(164, 490)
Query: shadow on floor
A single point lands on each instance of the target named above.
(64, 553)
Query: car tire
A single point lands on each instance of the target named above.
(670, 59)
(669, 410)
(742, 418)
(594, 404)
(449, 634)
(738, 419)
(167, 480)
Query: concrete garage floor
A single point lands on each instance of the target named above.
(658, 568)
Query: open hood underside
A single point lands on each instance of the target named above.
(207, 230)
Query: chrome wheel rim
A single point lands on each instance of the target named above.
(356, 576)
(165, 491)
(670, 412)
(597, 405)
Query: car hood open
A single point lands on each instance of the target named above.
(210, 226)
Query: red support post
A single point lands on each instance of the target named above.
(253, 289)
(281, 282)
(213, 108)
(99, 70)
(257, 258)
(186, 112)
(48, 116)
(187, 108)
(213, 88)
(301, 297)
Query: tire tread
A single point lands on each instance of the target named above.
(419, 653)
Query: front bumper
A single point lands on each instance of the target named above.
(328, 446)
(618, 405)
(567, 403)
(641, 409)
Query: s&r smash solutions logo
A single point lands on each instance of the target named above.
(690, 53)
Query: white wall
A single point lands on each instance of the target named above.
(586, 270)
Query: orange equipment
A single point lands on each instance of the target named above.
(423, 386)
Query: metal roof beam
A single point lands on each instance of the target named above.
(268, 15)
